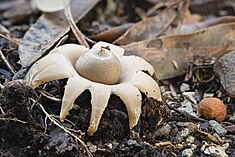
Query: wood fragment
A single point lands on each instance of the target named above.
(210, 137)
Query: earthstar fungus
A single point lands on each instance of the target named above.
(50, 5)
(108, 72)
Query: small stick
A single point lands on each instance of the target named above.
(11, 40)
(78, 34)
(7, 63)
(2, 111)
(13, 119)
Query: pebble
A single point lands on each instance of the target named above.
(184, 87)
(110, 145)
(217, 127)
(91, 147)
(215, 150)
(164, 130)
(208, 95)
(131, 142)
(190, 96)
(187, 153)
(185, 132)
(190, 139)
(186, 106)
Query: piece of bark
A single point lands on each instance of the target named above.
(225, 68)
(48, 29)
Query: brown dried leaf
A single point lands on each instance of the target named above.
(188, 28)
(48, 29)
(112, 34)
(170, 55)
(225, 68)
(167, 22)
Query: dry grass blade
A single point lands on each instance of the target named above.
(78, 34)
(6, 62)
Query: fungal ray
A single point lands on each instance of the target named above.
(99, 100)
(147, 85)
(131, 97)
(36, 75)
(70, 51)
(135, 63)
(75, 86)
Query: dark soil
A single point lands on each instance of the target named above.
(29, 139)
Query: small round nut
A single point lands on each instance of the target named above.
(212, 108)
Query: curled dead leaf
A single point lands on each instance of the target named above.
(188, 28)
(166, 22)
(171, 54)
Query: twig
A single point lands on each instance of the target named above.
(78, 34)
(77, 131)
(64, 129)
(6, 62)
(210, 137)
(13, 119)
(11, 40)
(48, 95)
(2, 110)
